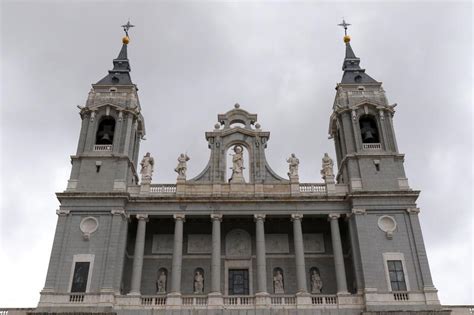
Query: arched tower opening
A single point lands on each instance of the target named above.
(105, 131)
(368, 129)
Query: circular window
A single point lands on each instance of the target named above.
(387, 223)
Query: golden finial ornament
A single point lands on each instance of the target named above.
(344, 24)
(126, 27)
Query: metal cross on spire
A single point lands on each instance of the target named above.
(344, 25)
(126, 27)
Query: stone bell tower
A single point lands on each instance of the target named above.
(112, 127)
(362, 127)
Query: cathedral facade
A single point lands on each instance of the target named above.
(248, 242)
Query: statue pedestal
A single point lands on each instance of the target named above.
(262, 299)
(303, 298)
(237, 179)
(181, 186)
(145, 187)
(294, 185)
(330, 184)
(215, 299)
(174, 299)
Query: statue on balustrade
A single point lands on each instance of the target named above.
(182, 166)
(328, 165)
(198, 282)
(147, 164)
(316, 282)
(293, 163)
(161, 282)
(237, 165)
(278, 287)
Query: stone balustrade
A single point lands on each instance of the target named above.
(103, 147)
(372, 146)
(163, 188)
(313, 188)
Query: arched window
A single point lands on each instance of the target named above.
(105, 132)
(368, 129)
(278, 281)
(161, 281)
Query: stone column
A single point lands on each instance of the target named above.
(177, 260)
(216, 253)
(338, 255)
(299, 253)
(261, 259)
(138, 254)
(215, 296)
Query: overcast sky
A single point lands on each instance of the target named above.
(193, 60)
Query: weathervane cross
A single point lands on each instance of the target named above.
(344, 25)
(126, 27)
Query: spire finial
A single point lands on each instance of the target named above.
(126, 27)
(344, 24)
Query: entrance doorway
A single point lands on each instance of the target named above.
(238, 282)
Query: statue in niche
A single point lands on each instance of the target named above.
(293, 163)
(278, 287)
(316, 282)
(161, 282)
(198, 282)
(182, 167)
(327, 166)
(237, 165)
(147, 164)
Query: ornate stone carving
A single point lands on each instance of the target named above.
(142, 216)
(62, 212)
(216, 216)
(277, 243)
(237, 165)
(316, 282)
(161, 281)
(358, 211)
(162, 244)
(259, 216)
(278, 284)
(388, 225)
(296, 216)
(199, 243)
(198, 282)
(182, 167)
(293, 163)
(313, 243)
(179, 216)
(88, 226)
(238, 243)
(413, 210)
(147, 165)
(327, 166)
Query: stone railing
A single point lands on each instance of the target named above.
(153, 300)
(324, 300)
(401, 296)
(236, 300)
(283, 300)
(163, 188)
(15, 311)
(195, 300)
(371, 146)
(103, 147)
(313, 188)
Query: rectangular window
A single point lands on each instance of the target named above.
(80, 276)
(396, 275)
(238, 282)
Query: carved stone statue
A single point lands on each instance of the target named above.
(147, 164)
(278, 283)
(316, 282)
(161, 282)
(198, 282)
(327, 166)
(293, 163)
(237, 165)
(182, 167)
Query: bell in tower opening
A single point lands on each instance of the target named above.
(368, 130)
(105, 132)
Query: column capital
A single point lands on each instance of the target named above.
(358, 211)
(216, 217)
(333, 216)
(120, 212)
(62, 212)
(259, 217)
(142, 216)
(296, 216)
(413, 210)
(179, 216)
